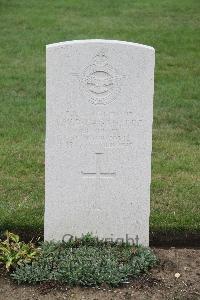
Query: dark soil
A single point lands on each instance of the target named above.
(160, 283)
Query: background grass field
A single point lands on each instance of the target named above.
(172, 27)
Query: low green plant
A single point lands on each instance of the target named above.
(86, 262)
(13, 252)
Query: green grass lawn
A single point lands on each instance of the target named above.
(172, 27)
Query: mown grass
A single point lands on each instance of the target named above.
(172, 27)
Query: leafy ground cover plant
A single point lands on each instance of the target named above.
(13, 252)
(86, 262)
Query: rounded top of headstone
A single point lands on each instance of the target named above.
(99, 41)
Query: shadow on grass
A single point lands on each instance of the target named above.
(160, 238)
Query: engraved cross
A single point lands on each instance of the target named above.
(98, 174)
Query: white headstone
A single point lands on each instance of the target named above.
(99, 139)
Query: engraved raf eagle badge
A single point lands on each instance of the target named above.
(100, 82)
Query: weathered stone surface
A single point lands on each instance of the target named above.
(99, 139)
